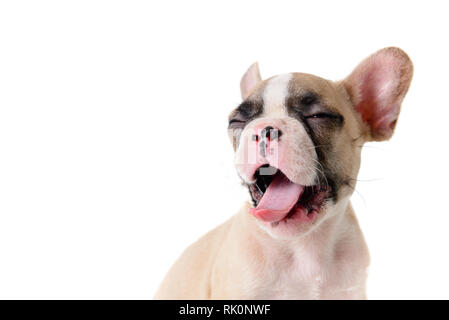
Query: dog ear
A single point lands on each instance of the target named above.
(377, 87)
(249, 80)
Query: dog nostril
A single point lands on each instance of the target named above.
(275, 134)
(271, 133)
(266, 132)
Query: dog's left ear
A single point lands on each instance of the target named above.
(377, 87)
(250, 79)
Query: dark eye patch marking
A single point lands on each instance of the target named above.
(309, 98)
(246, 111)
(310, 107)
(304, 103)
(321, 124)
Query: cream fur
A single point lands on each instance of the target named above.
(239, 260)
(327, 258)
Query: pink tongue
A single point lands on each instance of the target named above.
(279, 198)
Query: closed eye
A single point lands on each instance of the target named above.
(236, 121)
(323, 118)
(236, 124)
(324, 115)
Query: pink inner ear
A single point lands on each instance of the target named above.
(379, 106)
(378, 86)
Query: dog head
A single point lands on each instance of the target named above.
(298, 137)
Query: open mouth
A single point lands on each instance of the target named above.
(277, 199)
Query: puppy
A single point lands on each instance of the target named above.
(297, 141)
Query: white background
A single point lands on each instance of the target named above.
(113, 147)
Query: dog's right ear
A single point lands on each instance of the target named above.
(249, 80)
(377, 87)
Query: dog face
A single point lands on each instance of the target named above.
(298, 138)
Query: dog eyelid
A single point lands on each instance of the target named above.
(236, 124)
(325, 115)
(321, 115)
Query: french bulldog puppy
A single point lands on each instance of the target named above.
(297, 141)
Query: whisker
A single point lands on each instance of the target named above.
(372, 147)
(364, 180)
(315, 147)
(321, 171)
(354, 189)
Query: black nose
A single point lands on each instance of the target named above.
(271, 133)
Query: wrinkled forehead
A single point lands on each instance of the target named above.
(274, 92)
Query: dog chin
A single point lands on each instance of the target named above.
(298, 224)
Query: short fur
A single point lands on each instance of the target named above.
(327, 258)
